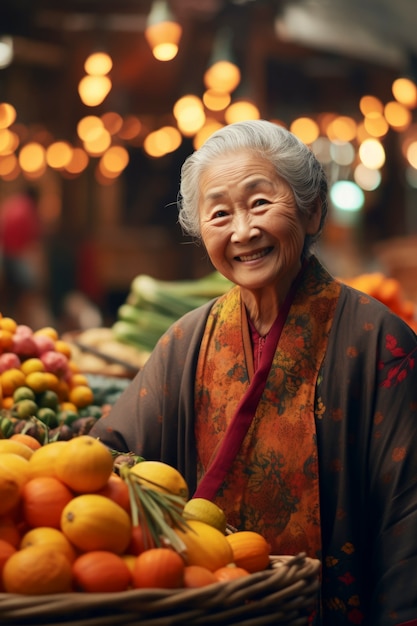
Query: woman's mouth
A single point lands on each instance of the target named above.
(252, 257)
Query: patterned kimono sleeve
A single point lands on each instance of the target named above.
(392, 470)
(366, 412)
(154, 416)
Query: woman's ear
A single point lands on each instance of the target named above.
(314, 219)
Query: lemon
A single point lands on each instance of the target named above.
(161, 477)
(205, 511)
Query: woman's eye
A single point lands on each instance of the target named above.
(260, 201)
(219, 213)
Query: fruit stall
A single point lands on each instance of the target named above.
(88, 534)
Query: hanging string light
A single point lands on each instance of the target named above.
(163, 32)
(223, 74)
(94, 87)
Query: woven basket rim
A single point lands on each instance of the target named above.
(285, 590)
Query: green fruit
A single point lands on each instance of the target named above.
(25, 409)
(47, 416)
(48, 399)
(6, 428)
(91, 411)
(67, 417)
(23, 393)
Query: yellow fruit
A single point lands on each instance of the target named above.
(49, 331)
(52, 537)
(37, 570)
(63, 347)
(14, 474)
(81, 396)
(11, 379)
(32, 365)
(161, 477)
(38, 381)
(206, 511)
(12, 446)
(205, 545)
(42, 461)
(94, 522)
(84, 464)
(8, 323)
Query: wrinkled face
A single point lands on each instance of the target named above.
(250, 225)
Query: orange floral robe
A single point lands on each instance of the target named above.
(272, 486)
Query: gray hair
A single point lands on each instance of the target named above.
(294, 162)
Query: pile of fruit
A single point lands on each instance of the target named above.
(42, 391)
(69, 522)
(387, 290)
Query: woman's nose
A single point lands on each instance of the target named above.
(243, 229)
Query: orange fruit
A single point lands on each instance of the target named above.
(43, 500)
(11, 446)
(52, 381)
(28, 440)
(68, 406)
(52, 537)
(63, 347)
(7, 402)
(140, 540)
(250, 550)
(49, 331)
(14, 473)
(78, 379)
(8, 323)
(62, 389)
(230, 572)
(42, 461)
(9, 531)
(160, 568)
(6, 340)
(205, 545)
(81, 396)
(117, 490)
(161, 477)
(11, 379)
(198, 576)
(73, 367)
(130, 560)
(85, 464)
(6, 551)
(100, 571)
(37, 570)
(94, 522)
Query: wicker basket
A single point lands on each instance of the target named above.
(284, 594)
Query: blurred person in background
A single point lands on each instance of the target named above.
(22, 255)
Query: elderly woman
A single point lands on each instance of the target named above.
(290, 401)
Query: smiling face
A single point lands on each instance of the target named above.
(250, 224)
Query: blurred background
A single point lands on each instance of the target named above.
(100, 103)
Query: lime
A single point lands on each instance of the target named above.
(23, 393)
(47, 416)
(48, 399)
(25, 408)
(67, 417)
(92, 410)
